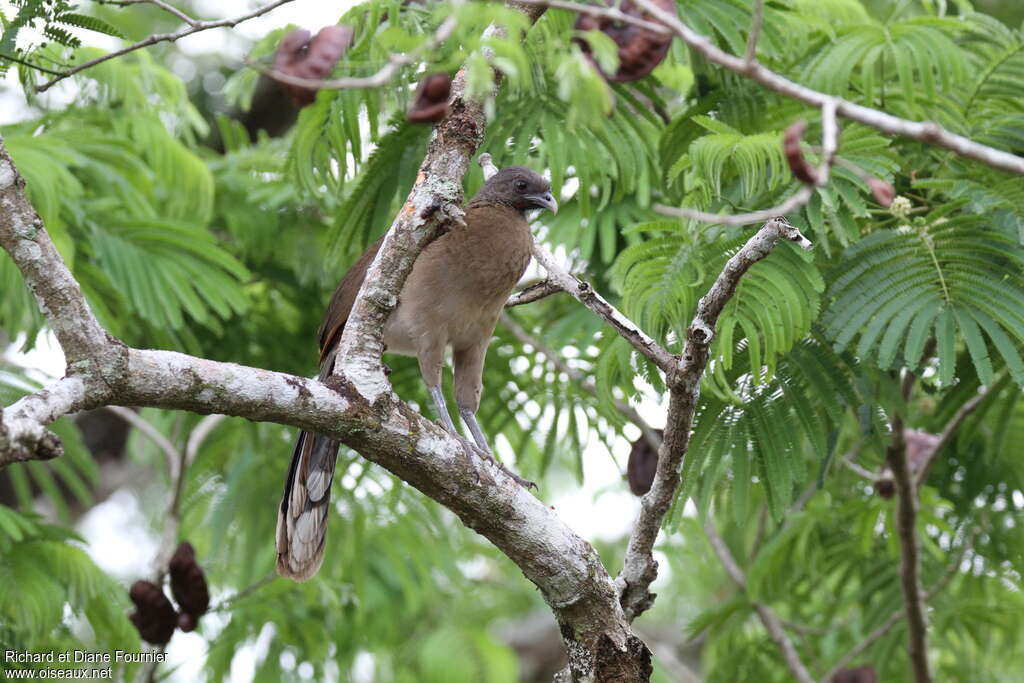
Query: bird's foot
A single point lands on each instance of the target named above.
(525, 483)
(470, 453)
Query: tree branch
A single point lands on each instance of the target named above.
(535, 292)
(910, 546)
(355, 406)
(928, 132)
(683, 378)
(767, 614)
(585, 294)
(194, 27)
(756, 20)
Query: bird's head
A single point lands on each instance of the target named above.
(517, 187)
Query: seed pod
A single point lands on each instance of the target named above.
(430, 103)
(791, 139)
(640, 49)
(863, 674)
(301, 57)
(642, 464)
(188, 584)
(154, 616)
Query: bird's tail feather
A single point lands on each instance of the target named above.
(302, 517)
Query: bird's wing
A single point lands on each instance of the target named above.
(341, 303)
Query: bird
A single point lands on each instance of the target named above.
(452, 298)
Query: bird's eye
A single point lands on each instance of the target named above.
(521, 185)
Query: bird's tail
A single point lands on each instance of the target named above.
(302, 518)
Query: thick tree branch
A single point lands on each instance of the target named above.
(640, 568)
(58, 294)
(767, 614)
(194, 27)
(355, 406)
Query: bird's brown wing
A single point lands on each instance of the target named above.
(341, 303)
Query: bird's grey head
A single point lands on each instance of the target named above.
(517, 187)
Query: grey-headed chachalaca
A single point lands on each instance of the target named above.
(453, 297)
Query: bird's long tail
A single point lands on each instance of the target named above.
(302, 517)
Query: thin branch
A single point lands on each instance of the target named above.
(799, 198)
(387, 72)
(829, 145)
(767, 614)
(158, 3)
(199, 434)
(756, 20)
(535, 292)
(171, 452)
(683, 378)
(928, 132)
(910, 545)
(194, 27)
(949, 431)
(243, 593)
(585, 294)
(30, 65)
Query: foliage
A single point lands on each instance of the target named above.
(232, 256)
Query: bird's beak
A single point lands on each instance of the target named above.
(544, 201)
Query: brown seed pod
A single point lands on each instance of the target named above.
(640, 49)
(791, 139)
(430, 103)
(187, 622)
(642, 464)
(154, 616)
(188, 584)
(883, 191)
(863, 674)
(301, 57)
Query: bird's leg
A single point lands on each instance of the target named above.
(442, 410)
(431, 359)
(469, 366)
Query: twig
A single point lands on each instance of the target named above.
(799, 198)
(585, 294)
(243, 593)
(194, 27)
(394, 64)
(767, 614)
(925, 131)
(151, 432)
(683, 378)
(829, 145)
(535, 292)
(756, 20)
(24, 62)
(158, 3)
(949, 431)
